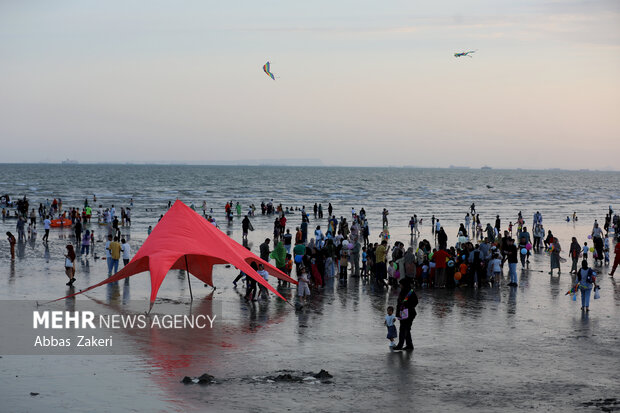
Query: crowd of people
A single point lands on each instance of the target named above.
(50, 212)
(473, 261)
(342, 248)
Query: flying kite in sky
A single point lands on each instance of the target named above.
(464, 53)
(267, 69)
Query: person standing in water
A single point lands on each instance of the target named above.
(587, 280)
(405, 312)
(126, 250)
(12, 242)
(467, 222)
(390, 318)
(245, 226)
(70, 265)
(555, 255)
(512, 255)
(264, 250)
(115, 254)
(574, 251)
(616, 259)
(85, 246)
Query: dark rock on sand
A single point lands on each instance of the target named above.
(206, 379)
(286, 378)
(322, 375)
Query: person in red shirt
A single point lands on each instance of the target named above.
(440, 257)
(282, 224)
(616, 259)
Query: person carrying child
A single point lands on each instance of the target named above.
(407, 301)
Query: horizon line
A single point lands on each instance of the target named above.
(233, 163)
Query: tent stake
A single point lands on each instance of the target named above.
(188, 282)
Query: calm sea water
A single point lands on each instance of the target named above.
(446, 193)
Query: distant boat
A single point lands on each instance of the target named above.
(69, 162)
(489, 186)
(486, 167)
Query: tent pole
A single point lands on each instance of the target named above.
(188, 282)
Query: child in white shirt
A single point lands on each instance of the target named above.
(391, 328)
(496, 269)
(585, 251)
(303, 290)
(263, 290)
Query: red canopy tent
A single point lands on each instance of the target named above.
(183, 240)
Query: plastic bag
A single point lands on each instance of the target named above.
(597, 295)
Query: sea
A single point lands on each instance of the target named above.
(445, 193)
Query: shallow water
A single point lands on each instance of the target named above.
(508, 349)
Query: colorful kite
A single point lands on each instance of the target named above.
(465, 53)
(267, 69)
(573, 289)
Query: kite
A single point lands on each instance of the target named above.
(465, 53)
(573, 289)
(267, 69)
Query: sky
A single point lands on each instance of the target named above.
(358, 83)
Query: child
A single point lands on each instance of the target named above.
(607, 257)
(263, 290)
(303, 290)
(364, 262)
(606, 251)
(391, 328)
(425, 272)
(585, 251)
(288, 267)
(344, 262)
(496, 269)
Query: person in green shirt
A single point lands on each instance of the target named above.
(279, 255)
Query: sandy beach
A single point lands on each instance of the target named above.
(520, 348)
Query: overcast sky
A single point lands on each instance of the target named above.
(358, 82)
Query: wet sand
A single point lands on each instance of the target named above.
(506, 349)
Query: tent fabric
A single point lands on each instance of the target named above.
(183, 240)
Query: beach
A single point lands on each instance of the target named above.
(484, 349)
